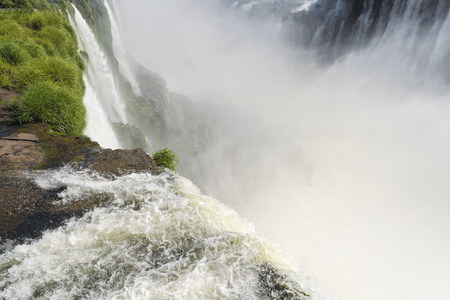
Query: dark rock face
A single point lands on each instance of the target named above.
(336, 26)
(131, 137)
(333, 27)
(7, 120)
(110, 163)
(26, 210)
(275, 285)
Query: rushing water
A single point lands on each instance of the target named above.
(123, 59)
(102, 99)
(352, 172)
(158, 238)
(338, 149)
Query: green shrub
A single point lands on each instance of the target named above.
(50, 48)
(25, 4)
(11, 29)
(5, 69)
(12, 53)
(58, 39)
(80, 62)
(34, 49)
(37, 21)
(62, 71)
(84, 55)
(6, 4)
(166, 158)
(49, 103)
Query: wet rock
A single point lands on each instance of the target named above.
(131, 137)
(110, 163)
(20, 154)
(19, 197)
(6, 96)
(275, 285)
(26, 210)
(7, 115)
(16, 136)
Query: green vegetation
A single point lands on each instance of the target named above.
(39, 59)
(59, 149)
(32, 4)
(53, 104)
(166, 158)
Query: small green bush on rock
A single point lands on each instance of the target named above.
(166, 158)
(49, 103)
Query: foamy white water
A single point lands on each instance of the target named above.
(352, 173)
(102, 99)
(158, 238)
(119, 49)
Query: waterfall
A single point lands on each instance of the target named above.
(339, 26)
(324, 123)
(152, 236)
(119, 49)
(333, 142)
(102, 99)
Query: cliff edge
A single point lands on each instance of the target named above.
(27, 209)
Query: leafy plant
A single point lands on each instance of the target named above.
(166, 158)
(56, 105)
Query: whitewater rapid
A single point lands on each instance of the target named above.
(157, 238)
(344, 162)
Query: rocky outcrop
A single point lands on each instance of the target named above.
(27, 209)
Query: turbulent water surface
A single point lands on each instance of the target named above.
(341, 150)
(158, 238)
(325, 123)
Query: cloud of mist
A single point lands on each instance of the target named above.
(345, 165)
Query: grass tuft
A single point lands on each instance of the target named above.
(166, 158)
(62, 71)
(53, 104)
(12, 53)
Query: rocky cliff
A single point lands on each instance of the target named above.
(25, 208)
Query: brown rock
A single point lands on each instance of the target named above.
(7, 117)
(19, 197)
(19, 155)
(6, 96)
(26, 210)
(111, 163)
(17, 136)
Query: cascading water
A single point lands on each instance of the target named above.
(159, 238)
(102, 99)
(351, 172)
(344, 163)
(155, 236)
(119, 50)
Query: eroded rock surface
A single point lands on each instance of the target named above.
(26, 209)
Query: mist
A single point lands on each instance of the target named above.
(345, 165)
